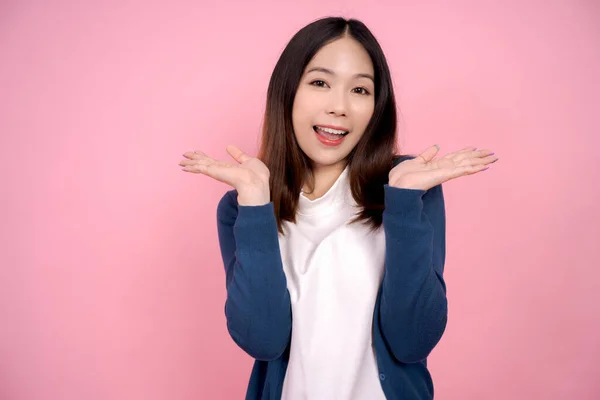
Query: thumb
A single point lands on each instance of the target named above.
(430, 153)
(237, 154)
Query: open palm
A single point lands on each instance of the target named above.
(247, 172)
(425, 171)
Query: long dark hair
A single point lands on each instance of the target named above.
(372, 158)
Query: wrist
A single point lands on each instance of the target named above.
(400, 185)
(254, 196)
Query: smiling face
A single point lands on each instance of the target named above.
(336, 91)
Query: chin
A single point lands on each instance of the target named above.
(320, 155)
(325, 160)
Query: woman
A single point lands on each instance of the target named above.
(333, 244)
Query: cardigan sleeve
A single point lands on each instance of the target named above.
(257, 306)
(414, 307)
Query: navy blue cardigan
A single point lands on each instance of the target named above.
(411, 308)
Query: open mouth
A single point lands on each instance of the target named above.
(334, 136)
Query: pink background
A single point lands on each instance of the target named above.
(111, 282)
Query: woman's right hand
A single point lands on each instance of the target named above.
(249, 176)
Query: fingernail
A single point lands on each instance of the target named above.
(492, 154)
(485, 168)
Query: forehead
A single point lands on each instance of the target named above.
(343, 56)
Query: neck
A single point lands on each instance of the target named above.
(324, 178)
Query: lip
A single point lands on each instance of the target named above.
(339, 128)
(327, 142)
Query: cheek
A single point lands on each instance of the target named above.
(301, 118)
(304, 116)
(363, 114)
(300, 111)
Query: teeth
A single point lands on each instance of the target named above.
(332, 131)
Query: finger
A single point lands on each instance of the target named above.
(237, 154)
(469, 170)
(194, 165)
(429, 153)
(461, 151)
(485, 155)
(220, 172)
(203, 168)
(484, 160)
(203, 161)
(190, 155)
(464, 150)
(195, 155)
(187, 162)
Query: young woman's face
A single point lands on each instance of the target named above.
(336, 91)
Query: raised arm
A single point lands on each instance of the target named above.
(414, 308)
(258, 308)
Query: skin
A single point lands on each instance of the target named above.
(342, 96)
(337, 88)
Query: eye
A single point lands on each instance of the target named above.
(364, 91)
(318, 83)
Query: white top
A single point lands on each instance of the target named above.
(333, 273)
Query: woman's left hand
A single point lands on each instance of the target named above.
(425, 171)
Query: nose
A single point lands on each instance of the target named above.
(337, 103)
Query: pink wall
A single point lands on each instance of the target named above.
(111, 283)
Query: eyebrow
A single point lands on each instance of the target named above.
(330, 72)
